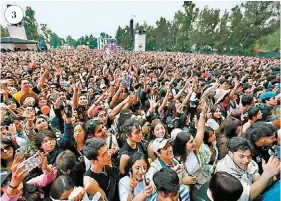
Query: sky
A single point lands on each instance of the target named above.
(93, 17)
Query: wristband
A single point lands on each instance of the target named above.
(13, 186)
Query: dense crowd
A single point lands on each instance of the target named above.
(88, 125)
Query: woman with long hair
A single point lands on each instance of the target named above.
(214, 117)
(187, 148)
(227, 130)
(158, 130)
(133, 186)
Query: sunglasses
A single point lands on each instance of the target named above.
(5, 148)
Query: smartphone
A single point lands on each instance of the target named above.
(145, 183)
(31, 163)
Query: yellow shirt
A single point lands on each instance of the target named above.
(19, 94)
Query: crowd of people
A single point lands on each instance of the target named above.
(135, 126)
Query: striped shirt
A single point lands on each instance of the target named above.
(184, 195)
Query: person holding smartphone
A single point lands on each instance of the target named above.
(135, 186)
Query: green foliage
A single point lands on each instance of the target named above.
(238, 31)
(30, 25)
(4, 31)
(271, 42)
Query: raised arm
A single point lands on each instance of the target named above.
(165, 100)
(75, 96)
(115, 98)
(117, 109)
(43, 78)
(201, 126)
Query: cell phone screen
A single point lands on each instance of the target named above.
(145, 183)
(31, 163)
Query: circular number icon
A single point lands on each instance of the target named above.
(14, 14)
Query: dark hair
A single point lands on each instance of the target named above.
(225, 187)
(154, 123)
(66, 160)
(40, 136)
(258, 130)
(31, 193)
(239, 143)
(135, 157)
(213, 109)
(252, 111)
(92, 146)
(8, 100)
(247, 99)
(19, 82)
(228, 127)
(82, 124)
(166, 180)
(61, 184)
(91, 126)
(179, 144)
(10, 144)
(128, 125)
(207, 135)
(237, 114)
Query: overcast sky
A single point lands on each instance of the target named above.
(92, 17)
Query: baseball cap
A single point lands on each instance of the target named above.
(159, 143)
(267, 95)
(102, 86)
(174, 133)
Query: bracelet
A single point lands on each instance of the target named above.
(13, 186)
(203, 115)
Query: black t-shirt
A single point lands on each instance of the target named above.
(260, 153)
(101, 178)
(126, 149)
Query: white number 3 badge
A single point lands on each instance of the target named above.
(14, 14)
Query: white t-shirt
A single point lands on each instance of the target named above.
(191, 163)
(124, 188)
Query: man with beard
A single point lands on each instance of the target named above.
(262, 137)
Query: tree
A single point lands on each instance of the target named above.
(260, 19)
(45, 32)
(4, 31)
(30, 25)
(223, 33)
(104, 35)
(203, 35)
(70, 41)
(56, 40)
(93, 42)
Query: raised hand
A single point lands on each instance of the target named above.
(28, 114)
(77, 194)
(272, 167)
(18, 174)
(44, 160)
(152, 102)
(149, 188)
(146, 80)
(133, 182)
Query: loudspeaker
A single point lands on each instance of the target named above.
(132, 30)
